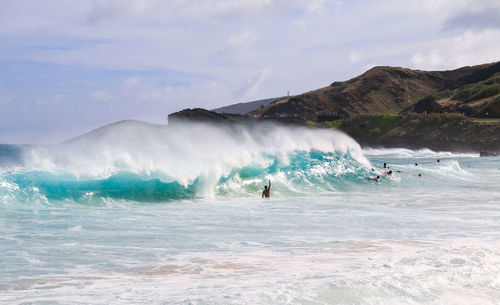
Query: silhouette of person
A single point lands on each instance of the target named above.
(267, 190)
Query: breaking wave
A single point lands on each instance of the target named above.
(137, 161)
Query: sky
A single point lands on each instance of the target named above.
(67, 67)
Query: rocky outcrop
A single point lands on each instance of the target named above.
(428, 105)
(203, 115)
(206, 116)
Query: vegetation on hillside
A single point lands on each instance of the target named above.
(480, 99)
(477, 93)
(376, 124)
(446, 131)
(469, 90)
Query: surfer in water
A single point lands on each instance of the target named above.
(374, 178)
(267, 190)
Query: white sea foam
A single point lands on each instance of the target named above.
(417, 245)
(185, 153)
(417, 154)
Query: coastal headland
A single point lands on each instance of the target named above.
(455, 110)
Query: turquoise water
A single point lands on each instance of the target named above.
(180, 221)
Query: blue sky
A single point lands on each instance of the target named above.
(67, 67)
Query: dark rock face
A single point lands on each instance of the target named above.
(427, 105)
(295, 107)
(492, 110)
(203, 115)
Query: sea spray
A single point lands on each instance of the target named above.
(138, 161)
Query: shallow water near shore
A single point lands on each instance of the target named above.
(327, 236)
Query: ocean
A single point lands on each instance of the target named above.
(144, 214)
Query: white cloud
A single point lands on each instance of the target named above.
(315, 5)
(469, 48)
(355, 56)
(101, 96)
(209, 94)
(159, 11)
(230, 8)
(253, 85)
(132, 82)
(302, 24)
(243, 39)
(148, 95)
(478, 18)
(443, 7)
(53, 99)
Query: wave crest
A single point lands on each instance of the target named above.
(146, 162)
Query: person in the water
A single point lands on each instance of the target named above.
(374, 178)
(267, 190)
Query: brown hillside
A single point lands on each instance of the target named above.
(379, 90)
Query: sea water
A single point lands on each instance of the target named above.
(157, 215)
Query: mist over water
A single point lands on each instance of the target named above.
(143, 213)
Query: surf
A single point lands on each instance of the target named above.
(133, 160)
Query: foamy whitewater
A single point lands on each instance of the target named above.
(147, 214)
